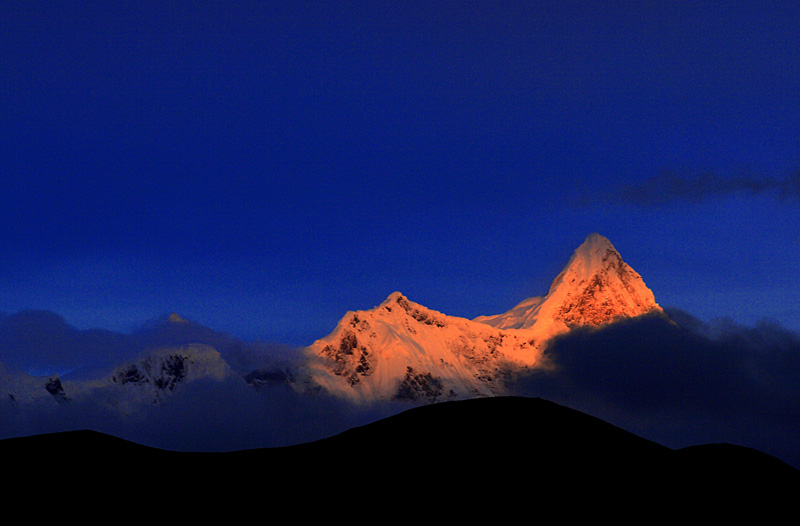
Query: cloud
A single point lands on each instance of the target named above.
(683, 383)
(42, 343)
(677, 381)
(204, 414)
(669, 187)
(231, 415)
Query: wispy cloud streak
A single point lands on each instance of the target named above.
(669, 187)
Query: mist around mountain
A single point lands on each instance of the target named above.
(173, 384)
(674, 380)
(42, 343)
(680, 381)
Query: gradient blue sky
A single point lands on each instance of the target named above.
(262, 167)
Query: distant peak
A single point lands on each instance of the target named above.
(165, 320)
(176, 318)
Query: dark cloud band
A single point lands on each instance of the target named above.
(669, 187)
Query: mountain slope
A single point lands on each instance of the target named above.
(595, 287)
(485, 457)
(19, 388)
(150, 379)
(154, 376)
(120, 370)
(402, 350)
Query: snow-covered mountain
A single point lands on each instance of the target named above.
(595, 287)
(397, 350)
(160, 372)
(150, 379)
(117, 370)
(402, 350)
(17, 387)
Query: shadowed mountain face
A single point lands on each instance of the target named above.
(491, 454)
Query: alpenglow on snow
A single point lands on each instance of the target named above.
(402, 350)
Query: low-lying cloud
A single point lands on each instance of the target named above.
(200, 415)
(203, 415)
(676, 381)
(40, 343)
(682, 382)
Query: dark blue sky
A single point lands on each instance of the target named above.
(262, 167)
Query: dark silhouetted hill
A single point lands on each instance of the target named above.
(475, 459)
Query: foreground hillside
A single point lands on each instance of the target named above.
(486, 452)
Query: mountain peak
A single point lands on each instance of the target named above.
(162, 322)
(590, 256)
(405, 351)
(595, 239)
(176, 318)
(394, 297)
(595, 287)
(594, 244)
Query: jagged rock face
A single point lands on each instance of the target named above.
(350, 360)
(402, 350)
(613, 291)
(54, 387)
(162, 371)
(416, 386)
(596, 287)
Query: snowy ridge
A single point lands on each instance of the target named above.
(523, 315)
(165, 369)
(402, 350)
(398, 350)
(154, 377)
(21, 388)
